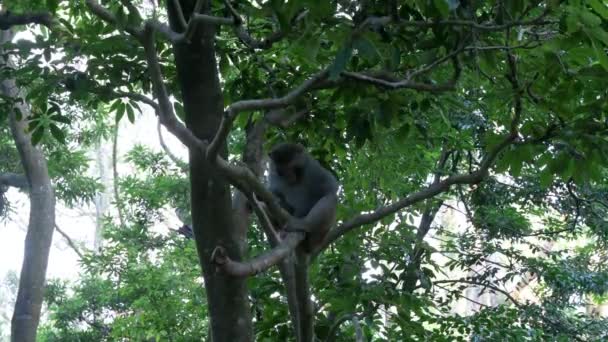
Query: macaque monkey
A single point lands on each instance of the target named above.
(306, 190)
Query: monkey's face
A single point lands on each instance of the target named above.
(290, 172)
(289, 161)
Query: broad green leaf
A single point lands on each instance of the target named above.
(443, 7)
(61, 118)
(367, 49)
(600, 7)
(37, 135)
(57, 133)
(546, 178)
(120, 111)
(130, 113)
(600, 53)
(340, 62)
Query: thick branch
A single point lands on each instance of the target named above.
(246, 181)
(110, 18)
(9, 19)
(280, 119)
(262, 104)
(180, 14)
(165, 111)
(15, 180)
(131, 7)
(259, 263)
(273, 103)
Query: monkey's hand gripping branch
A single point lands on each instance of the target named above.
(259, 263)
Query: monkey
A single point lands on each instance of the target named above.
(305, 189)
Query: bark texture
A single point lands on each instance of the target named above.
(41, 219)
(212, 215)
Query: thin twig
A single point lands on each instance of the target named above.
(69, 241)
(486, 285)
(180, 163)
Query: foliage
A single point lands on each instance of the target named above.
(143, 283)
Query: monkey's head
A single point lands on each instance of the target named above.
(289, 160)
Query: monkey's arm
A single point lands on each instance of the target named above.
(319, 219)
(282, 202)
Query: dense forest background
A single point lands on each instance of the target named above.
(470, 139)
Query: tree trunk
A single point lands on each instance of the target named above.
(41, 222)
(212, 215)
(102, 199)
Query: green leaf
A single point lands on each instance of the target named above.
(308, 47)
(52, 5)
(60, 118)
(47, 54)
(367, 49)
(57, 133)
(599, 7)
(340, 62)
(589, 19)
(443, 7)
(120, 111)
(546, 178)
(600, 53)
(54, 108)
(37, 135)
(130, 113)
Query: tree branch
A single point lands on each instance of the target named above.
(131, 7)
(485, 285)
(110, 18)
(247, 182)
(15, 180)
(180, 14)
(137, 97)
(121, 217)
(444, 185)
(9, 19)
(180, 163)
(70, 242)
(279, 119)
(390, 82)
(538, 21)
(259, 263)
(165, 111)
(260, 104)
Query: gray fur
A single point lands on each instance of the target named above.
(316, 183)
